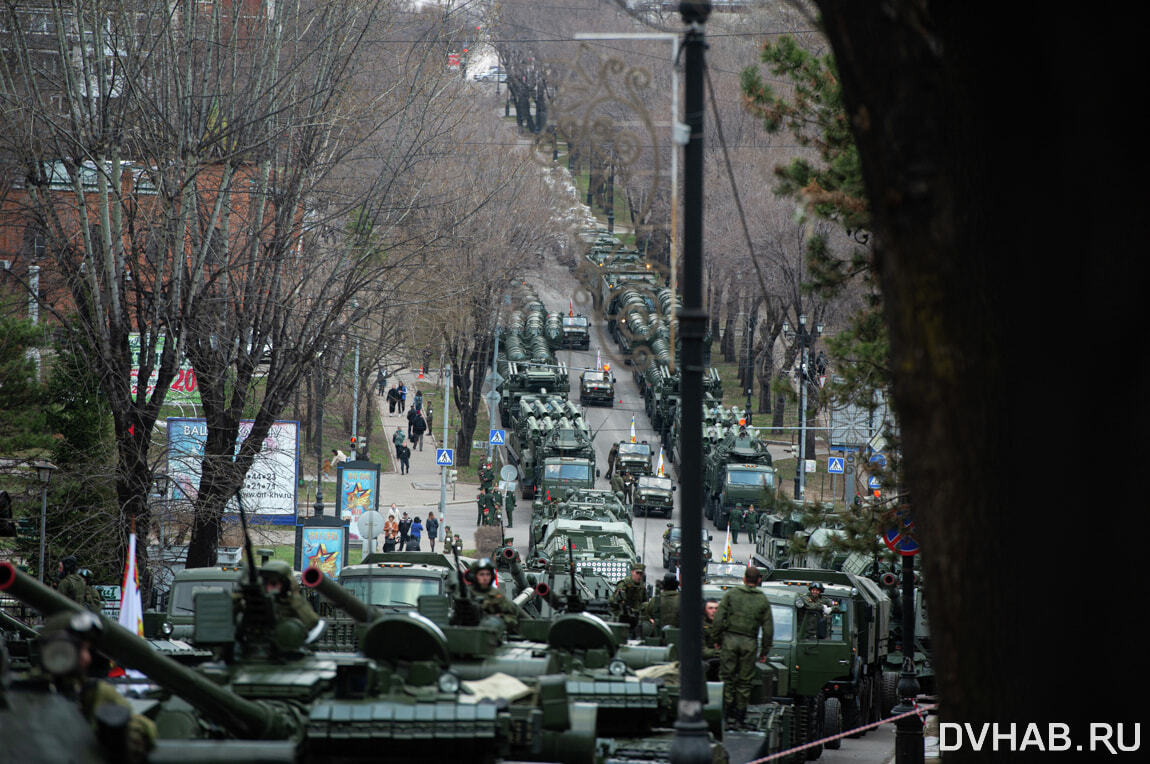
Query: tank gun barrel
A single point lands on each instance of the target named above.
(248, 719)
(360, 611)
(511, 557)
(8, 623)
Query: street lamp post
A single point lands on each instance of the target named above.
(318, 506)
(804, 338)
(44, 473)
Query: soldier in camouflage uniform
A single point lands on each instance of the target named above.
(743, 612)
(66, 641)
(289, 603)
(815, 607)
(491, 600)
(629, 597)
(710, 643)
(664, 610)
(509, 506)
(74, 587)
(487, 507)
(486, 476)
(736, 523)
(751, 523)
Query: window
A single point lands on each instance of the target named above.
(749, 477)
(391, 591)
(784, 618)
(35, 246)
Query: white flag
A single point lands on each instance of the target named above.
(632, 428)
(131, 611)
(598, 363)
(659, 468)
(727, 556)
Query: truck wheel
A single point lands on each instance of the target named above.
(812, 710)
(833, 722)
(853, 709)
(889, 694)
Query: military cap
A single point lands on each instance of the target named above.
(638, 566)
(276, 568)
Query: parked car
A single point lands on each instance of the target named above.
(493, 73)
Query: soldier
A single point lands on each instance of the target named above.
(736, 523)
(486, 475)
(509, 506)
(485, 507)
(289, 603)
(664, 610)
(66, 641)
(629, 597)
(738, 619)
(710, 644)
(74, 587)
(491, 600)
(751, 523)
(815, 607)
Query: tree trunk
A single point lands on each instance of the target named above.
(940, 102)
(728, 343)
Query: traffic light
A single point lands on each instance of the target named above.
(452, 475)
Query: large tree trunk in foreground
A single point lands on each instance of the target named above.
(990, 148)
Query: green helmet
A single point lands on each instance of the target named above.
(276, 568)
(484, 563)
(817, 585)
(638, 566)
(72, 624)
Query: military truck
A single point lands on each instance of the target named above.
(597, 387)
(835, 661)
(553, 453)
(520, 379)
(737, 471)
(576, 332)
(673, 543)
(602, 547)
(177, 622)
(653, 494)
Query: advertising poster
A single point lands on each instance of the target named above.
(271, 486)
(184, 389)
(357, 492)
(324, 548)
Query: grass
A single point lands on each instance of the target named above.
(581, 178)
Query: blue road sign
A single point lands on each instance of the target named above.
(497, 437)
(445, 457)
(835, 465)
(872, 482)
(901, 538)
(879, 459)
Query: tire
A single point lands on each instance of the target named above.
(833, 722)
(856, 710)
(888, 696)
(813, 710)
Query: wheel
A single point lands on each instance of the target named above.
(812, 723)
(666, 562)
(833, 722)
(888, 696)
(853, 709)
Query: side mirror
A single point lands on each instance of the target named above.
(674, 487)
(597, 472)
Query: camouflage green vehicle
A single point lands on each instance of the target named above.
(597, 387)
(673, 542)
(835, 661)
(653, 494)
(630, 458)
(738, 471)
(576, 332)
(601, 546)
(552, 444)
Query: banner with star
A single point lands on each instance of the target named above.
(357, 491)
(323, 548)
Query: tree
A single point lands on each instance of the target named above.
(978, 235)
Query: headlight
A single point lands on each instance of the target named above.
(448, 683)
(616, 667)
(166, 628)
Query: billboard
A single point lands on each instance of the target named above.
(324, 548)
(184, 389)
(357, 491)
(271, 485)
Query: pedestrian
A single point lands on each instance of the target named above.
(432, 528)
(417, 402)
(397, 438)
(402, 396)
(404, 454)
(74, 587)
(404, 530)
(736, 523)
(457, 543)
(743, 612)
(337, 457)
(390, 531)
(427, 416)
(412, 414)
(414, 534)
(392, 399)
(418, 427)
(380, 381)
(447, 538)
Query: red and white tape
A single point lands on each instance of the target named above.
(918, 710)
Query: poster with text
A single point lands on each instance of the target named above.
(270, 488)
(184, 389)
(323, 548)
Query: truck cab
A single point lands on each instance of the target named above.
(597, 387)
(559, 472)
(576, 332)
(653, 494)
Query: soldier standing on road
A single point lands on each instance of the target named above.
(629, 597)
(509, 506)
(751, 523)
(735, 522)
(738, 620)
(815, 607)
(486, 475)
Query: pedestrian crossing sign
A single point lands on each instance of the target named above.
(497, 437)
(835, 465)
(445, 457)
